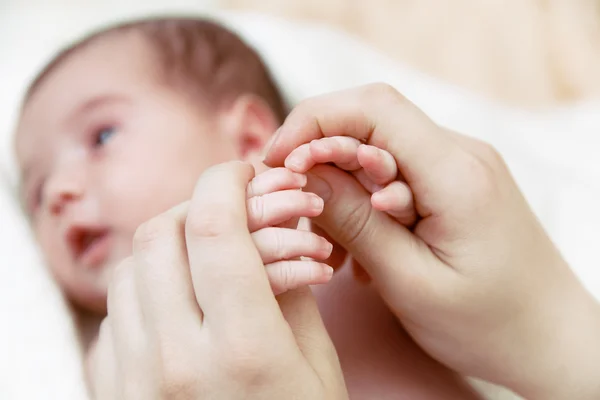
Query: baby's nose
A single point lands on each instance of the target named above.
(63, 191)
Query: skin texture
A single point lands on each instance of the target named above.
(216, 331)
(135, 151)
(476, 281)
(110, 152)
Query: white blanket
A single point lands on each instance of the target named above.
(553, 155)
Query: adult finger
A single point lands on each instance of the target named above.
(125, 314)
(301, 312)
(128, 332)
(101, 365)
(163, 274)
(229, 279)
(401, 266)
(376, 114)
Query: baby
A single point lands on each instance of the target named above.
(118, 128)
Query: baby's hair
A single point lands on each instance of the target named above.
(199, 56)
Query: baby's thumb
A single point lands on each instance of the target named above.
(396, 260)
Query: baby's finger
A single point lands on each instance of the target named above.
(397, 200)
(366, 182)
(288, 275)
(340, 150)
(379, 165)
(273, 180)
(275, 244)
(338, 254)
(276, 208)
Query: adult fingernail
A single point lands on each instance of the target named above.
(318, 186)
(270, 144)
(300, 179)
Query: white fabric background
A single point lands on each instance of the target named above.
(553, 155)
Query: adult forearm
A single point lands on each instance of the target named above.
(569, 367)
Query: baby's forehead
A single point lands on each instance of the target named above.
(107, 66)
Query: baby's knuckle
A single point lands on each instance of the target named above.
(251, 188)
(279, 243)
(288, 275)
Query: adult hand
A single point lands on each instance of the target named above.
(192, 315)
(476, 281)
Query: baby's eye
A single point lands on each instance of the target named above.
(103, 135)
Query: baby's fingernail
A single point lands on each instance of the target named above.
(328, 247)
(318, 186)
(368, 148)
(316, 202)
(378, 198)
(327, 271)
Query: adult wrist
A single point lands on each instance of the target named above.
(566, 364)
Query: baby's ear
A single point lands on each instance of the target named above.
(250, 123)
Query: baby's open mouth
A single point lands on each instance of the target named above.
(89, 246)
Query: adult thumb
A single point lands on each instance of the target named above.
(300, 310)
(397, 261)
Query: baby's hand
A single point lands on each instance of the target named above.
(275, 201)
(373, 167)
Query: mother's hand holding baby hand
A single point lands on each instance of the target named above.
(476, 281)
(192, 315)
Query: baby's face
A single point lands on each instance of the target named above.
(103, 146)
